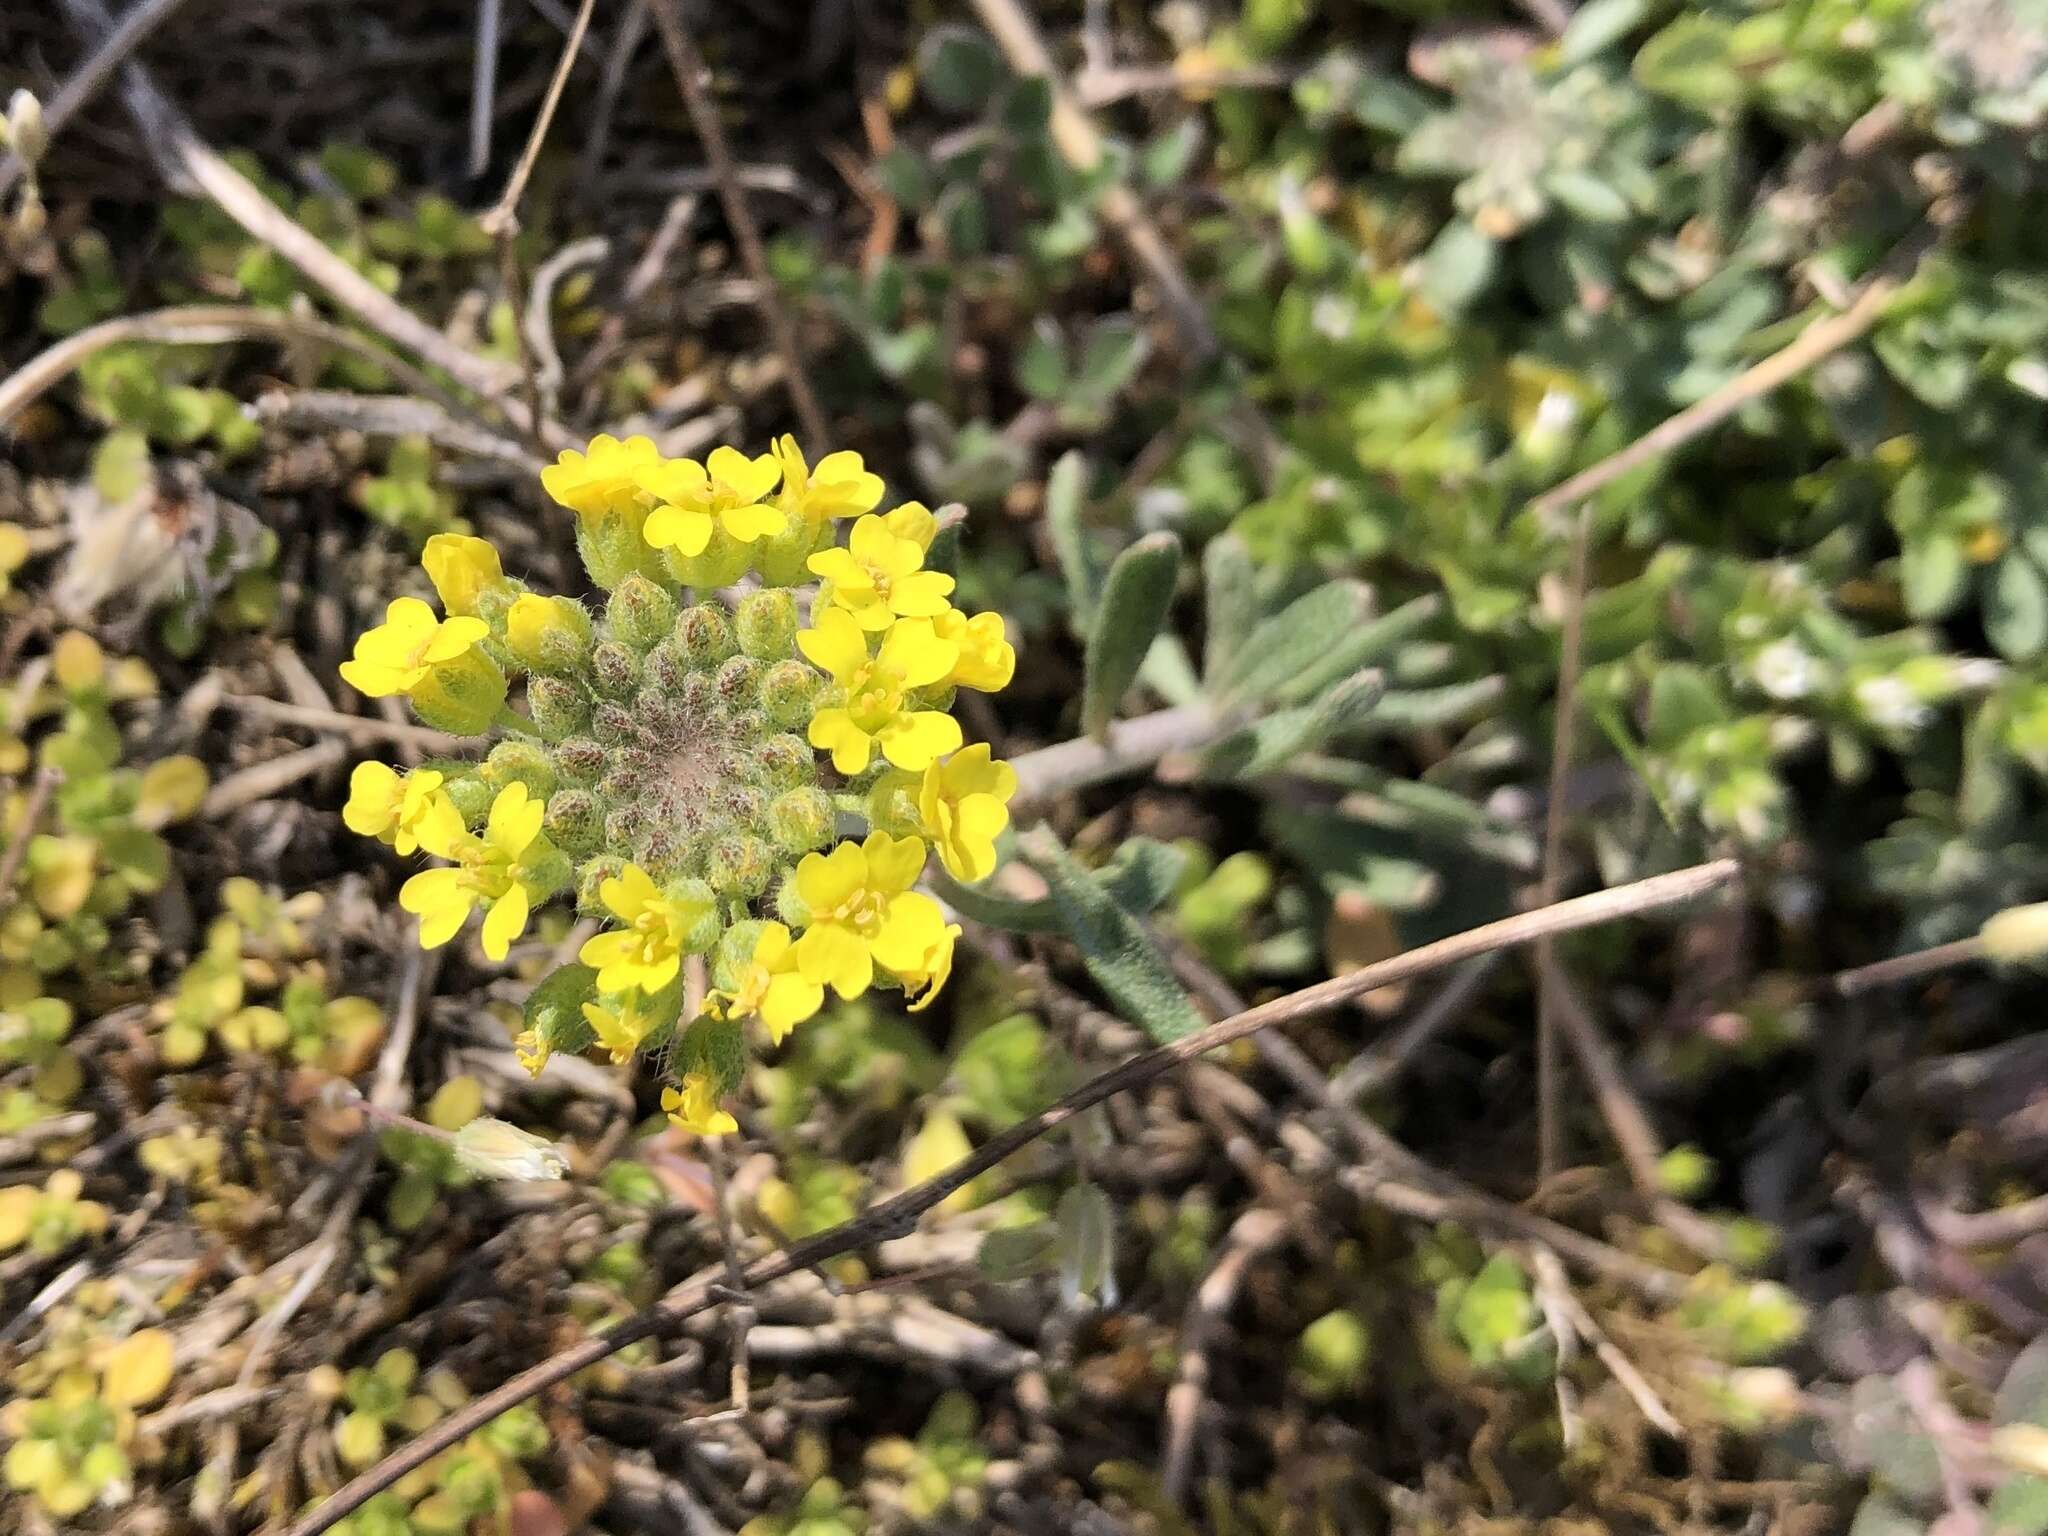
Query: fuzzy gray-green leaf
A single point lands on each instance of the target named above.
(1229, 602)
(1135, 598)
(1295, 641)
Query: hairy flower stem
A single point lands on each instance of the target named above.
(1133, 747)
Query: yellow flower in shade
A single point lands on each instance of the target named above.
(605, 478)
(399, 654)
(880, 577)
(460, 568)
(964, 804)
(862, 910)
(622, 1023)
(694, 1107)
(724, 491)
(14, 550)
(841, 485)
(404, 810)
(648, 952)
(866, 708)
(987, 661)
(532, 1051)
(772, 987)
(494, 870)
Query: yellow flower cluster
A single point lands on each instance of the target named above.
(665, 770)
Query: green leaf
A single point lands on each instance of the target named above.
(1692, 61)
(1683, 699)
(1087, 1245)
(1458, 266)
(120, 465)
(1042, 364)
(1066, 492)
(2016, 608)
(1141, 877)
(1017, 1253)
(958, 67)
(1362, 645)
(1272, 742)
(1295, 640)
(2023, 1395)
(1933, 574)
(1400, 710)
(1598, 24)
(1135, 599)
(1230, 602)
(1117, 951)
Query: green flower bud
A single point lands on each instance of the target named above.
(766, 623)
(892, 804)
(548, 635)
(693, 893)
(472, 795)
(462, 696)
(789, 692)
(494, 1149)
(611, 547)
(590, 877)
(546, 869)
(735, 953)
(579, 760)
(615, 669)
(739, 684)
(785, 761)
(573, 822)
(559, 707)
(640, 613)
(802, 819)
(723, 562)
(666, 669)
(520, 762)
(739, 866)
(494, 602)
(612, 723)
(704, 636)
(781, 560)
(554, 1009)
(790, 905)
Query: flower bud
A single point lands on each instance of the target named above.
(625, 824)
(549, 635)
(494, 1149)
(572, 821)
(520, 762)
(640, 613)
(663, 851)
(739, 684)
(472, 795)
(26, 134)
(666, 669)
(612, 723)
(463, 696)
(559, 707)
(554, 1015)
(789, 692)
(704, 636)
(802, 819)
(738, 866)
(892, 804)
(579, 760)
(766, 624)
(611, 547)
(785, 761)
(790, 905)
(615, 668)
(2018, 935)
(782, 559)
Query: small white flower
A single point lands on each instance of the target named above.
(1786, 670)
(1333, 316)
(1891, 705)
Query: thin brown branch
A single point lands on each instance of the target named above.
(1902, 968)
(502, 217)
(898, 1215)
(1208, 1313)
(693, 81)
(1819, 340)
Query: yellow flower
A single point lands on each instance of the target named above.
(841, 485)
(648, 952)
(403, 810)
(772, 987)
(725, 491)
(867, 707)
(879, 578)
(494, 869)
(921, 955)
(532, 1051)
(622, 1026)
(606, 478)
(460, 568)
(694, 1107)
(547, 634)
(14, 551)
(862, 910)
(964, 803)
(987, 661)
(399, 654)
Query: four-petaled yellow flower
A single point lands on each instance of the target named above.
(987, 661)
(461, 567)
(692, 500)
(404, 810)
(772, 987)
(841, 485)
(604, 479)
(863, 912)
(964, 803)
(867, 708)
(880, 577)
(621, 1026)
(494, 869)
(694, 1107)
(399, 654)
(648, 952)
(921, 956)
